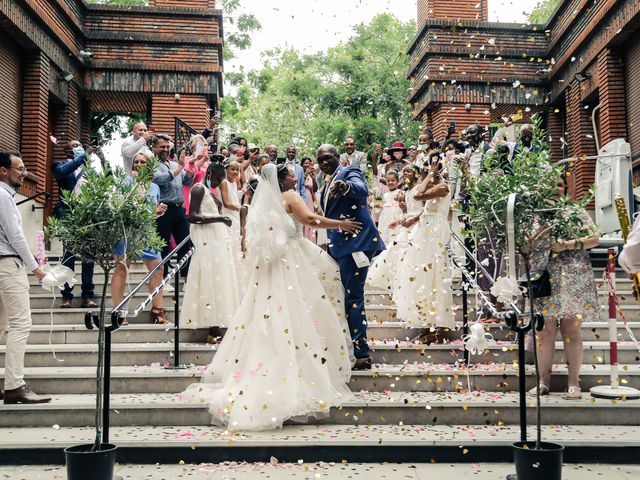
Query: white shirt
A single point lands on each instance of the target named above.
(12, 240)
(629, 259)
(129, 149)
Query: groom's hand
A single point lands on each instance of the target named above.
(339, 188)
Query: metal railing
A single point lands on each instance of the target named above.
(515, 318)
(47, 199)
(91, 320)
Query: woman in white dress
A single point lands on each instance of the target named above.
(423, 289)
(231, 206)
(211, 295)
(287, 353)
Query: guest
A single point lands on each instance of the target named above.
(133, 144)
(398, 159)
(573, 300)
(352, 156)
(231, 206)
(67, 174)
(150, 258)
(171, 177)
(390, 208)
(15, 261)
(272, 151)
(211, 292)
(197, 164)
(311, 186)
(292, 162)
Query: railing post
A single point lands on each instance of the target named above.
(107, 385)
(176, 341)
(522, 381)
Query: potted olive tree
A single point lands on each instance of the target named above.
(538, 216)
(105, 212)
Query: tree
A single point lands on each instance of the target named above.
(542, 11)
(357, 88)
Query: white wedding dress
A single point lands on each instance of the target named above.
(287, 353)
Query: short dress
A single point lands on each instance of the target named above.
(573, 285)
(152, 198)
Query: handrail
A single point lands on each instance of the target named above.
(47, 198)
(91, 319)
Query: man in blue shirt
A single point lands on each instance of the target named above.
(67, 174)
(171, 177)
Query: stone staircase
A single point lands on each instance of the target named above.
(414, 405)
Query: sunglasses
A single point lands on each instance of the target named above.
(326, 157)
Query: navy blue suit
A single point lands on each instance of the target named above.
(64, 173)
(353, 204)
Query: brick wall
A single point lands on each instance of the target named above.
(192, 109)
(610, 70)
(183, 3)
(453, 10)
(580, 139)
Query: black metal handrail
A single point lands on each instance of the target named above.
(513, 318)
(47, 199)
(117, 318)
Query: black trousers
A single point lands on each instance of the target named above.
(174, 222)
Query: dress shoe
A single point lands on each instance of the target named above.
(24, 394)
(88, 303)
(362, 364)
(65, 304)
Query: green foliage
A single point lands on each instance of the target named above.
(104, 125)
(238, 28)
(542, 11)
(534, 181)
(106, 211)
(357, 88)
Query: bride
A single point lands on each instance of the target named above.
(287, 352)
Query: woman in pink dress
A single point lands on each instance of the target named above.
(197, 164)
(311, 185)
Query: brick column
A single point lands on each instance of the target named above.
(555, 130)
(191, 109)
(67, 123)
(472, 10)
(579, 126)
(35, 114)
(612, 97)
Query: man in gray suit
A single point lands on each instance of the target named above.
(353, 156)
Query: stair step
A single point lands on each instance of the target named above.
(46, 300)
(193, 444)
(156, 378)
(394, 352)
(132, 333)
(408, 408)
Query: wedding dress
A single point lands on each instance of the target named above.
(287, 353)
(422, 291)
(211, 294)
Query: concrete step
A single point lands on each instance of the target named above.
(193, 444)
(367, 408)
(35, 286)
(383, 352)
(46, 300)
(590, 331)
(75, 316)
(155, 378)
(132, 333)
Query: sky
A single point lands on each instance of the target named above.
(315, 25)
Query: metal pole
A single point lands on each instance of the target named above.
(176, 316)
(107, 385)
(522, 381)
(465, 318)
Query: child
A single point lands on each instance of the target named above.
(390, 208)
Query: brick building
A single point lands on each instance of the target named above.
(164, 60)
(469, 70)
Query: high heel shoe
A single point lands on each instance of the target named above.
(157, 316)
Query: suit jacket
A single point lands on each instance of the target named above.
(359, 160)
(354, 204)
(64, 173)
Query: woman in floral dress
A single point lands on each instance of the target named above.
(573, 300)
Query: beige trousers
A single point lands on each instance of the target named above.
(15, 319)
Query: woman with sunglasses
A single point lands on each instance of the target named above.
(150, 258)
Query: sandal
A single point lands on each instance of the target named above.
(573, 393)
(157, 316)
(544, 391)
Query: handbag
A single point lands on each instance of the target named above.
(541, 286)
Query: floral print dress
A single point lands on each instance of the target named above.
(573, 286)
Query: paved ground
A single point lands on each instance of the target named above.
(325, 471)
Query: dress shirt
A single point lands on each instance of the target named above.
(358, 159)
(12, 241)
(129, 149)
(170, 186)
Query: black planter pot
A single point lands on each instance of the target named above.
(82, 463)
(532, 464)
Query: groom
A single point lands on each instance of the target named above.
(345, 195)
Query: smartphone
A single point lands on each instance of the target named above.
(452, 124)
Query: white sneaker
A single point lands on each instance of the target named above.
(168, 288)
